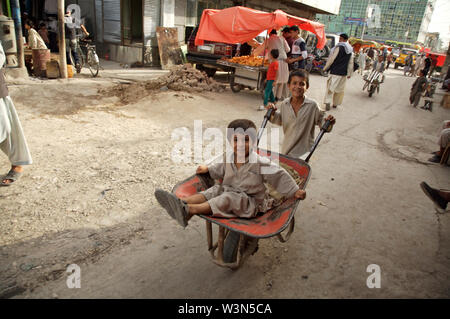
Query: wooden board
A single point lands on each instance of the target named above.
(169, 48)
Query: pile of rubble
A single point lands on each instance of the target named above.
(181, 78)
(186, 78)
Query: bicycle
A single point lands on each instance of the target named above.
(90, 59)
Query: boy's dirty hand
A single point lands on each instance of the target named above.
(271, 106)
(300, 194)
(202, 169)
(332, 121)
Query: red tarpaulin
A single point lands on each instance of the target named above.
(241, 24)
(440, 57)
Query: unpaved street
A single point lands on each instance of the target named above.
(88, 199)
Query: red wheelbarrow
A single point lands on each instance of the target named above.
(238, 237)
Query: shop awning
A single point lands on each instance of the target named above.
(241, 24)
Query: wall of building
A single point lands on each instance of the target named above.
(398, 20)
(182, 14)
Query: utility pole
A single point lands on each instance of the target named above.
(62, 40)
(15, 8)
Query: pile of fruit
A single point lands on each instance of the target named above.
(248, 60)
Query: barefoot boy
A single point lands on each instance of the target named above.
(242, 192)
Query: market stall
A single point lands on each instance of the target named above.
(248, 72)
(241, 24)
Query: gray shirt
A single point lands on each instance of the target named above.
(298, 129)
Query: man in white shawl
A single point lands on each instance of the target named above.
(12, 139)
(340, 65)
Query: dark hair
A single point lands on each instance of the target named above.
(295, 28)
(300, 73)
(29, 22)
(423, 72)
(286, 29)
(275, 53)
(273, 31)
(243, 126)
(41, 25)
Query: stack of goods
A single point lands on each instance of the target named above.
(249, 60)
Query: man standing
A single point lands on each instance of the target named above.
(287, 36)
(71, 39)
(427, 65)
(340, 64)
(12, 139)
(419, 64)
(298, 51)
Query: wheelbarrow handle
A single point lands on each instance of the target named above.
(323, 130)
(269, 113)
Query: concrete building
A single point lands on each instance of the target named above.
(125, 30)
(398, 20)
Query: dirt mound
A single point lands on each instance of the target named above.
(181, 78)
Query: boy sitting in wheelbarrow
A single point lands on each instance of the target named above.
(242, 192)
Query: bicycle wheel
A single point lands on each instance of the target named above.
(93, 62)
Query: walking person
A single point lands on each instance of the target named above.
(390, 59)
(427, 65)
(408, 64)
(417, 88)
(340, 64)
(12, 139)
(362, 61)
(419, 64)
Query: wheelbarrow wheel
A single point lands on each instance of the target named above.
(230, 247)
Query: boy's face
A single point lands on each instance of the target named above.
(241, 145)
(298, 86)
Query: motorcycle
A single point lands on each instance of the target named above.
(315, 63)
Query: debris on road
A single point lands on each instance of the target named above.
(181, 78)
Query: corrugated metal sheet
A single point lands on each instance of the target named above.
(111, 21)
(88, 13)
(152, 10)
(99, 20)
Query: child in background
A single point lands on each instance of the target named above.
(271, 78)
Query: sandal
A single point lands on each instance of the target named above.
(175, 207)
(435, 159)
(433, 194)
(13, 176)
(162, 199)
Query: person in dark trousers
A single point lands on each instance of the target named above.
(270, 78)
(417, 88)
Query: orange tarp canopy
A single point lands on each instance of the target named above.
(241, 24)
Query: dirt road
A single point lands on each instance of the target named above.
(88, 200)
